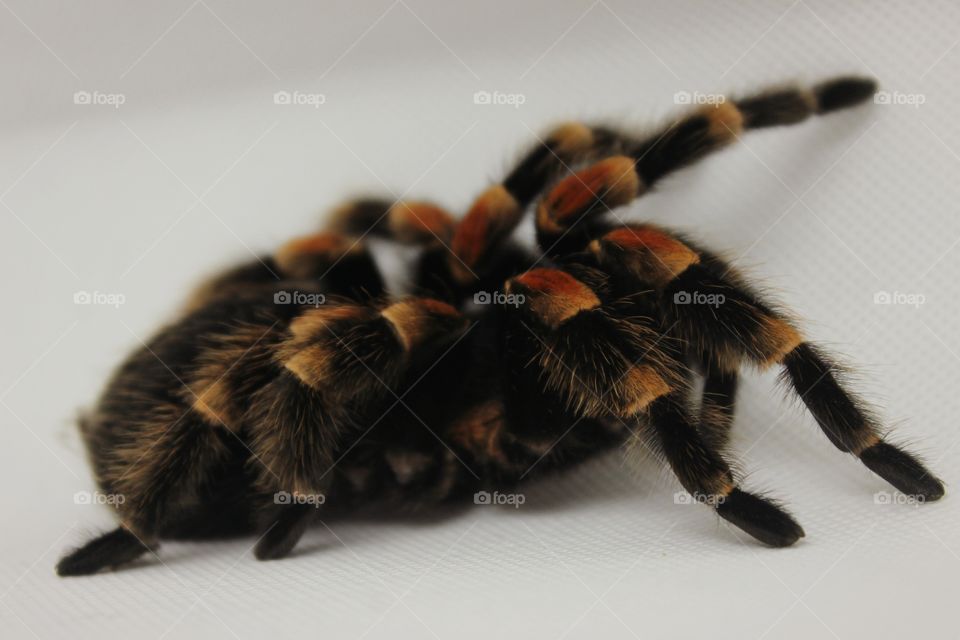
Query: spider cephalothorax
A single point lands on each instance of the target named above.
(255, 411)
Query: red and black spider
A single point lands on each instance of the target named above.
(258, 409)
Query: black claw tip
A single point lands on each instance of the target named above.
(110, 550)
(283, 536)
(903, 471)
(843, 92)
(272, 552)
(760, 518)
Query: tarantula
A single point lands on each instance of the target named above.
(294, 386)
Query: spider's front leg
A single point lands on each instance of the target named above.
(335, 367)
(562, 216)
(714, 310)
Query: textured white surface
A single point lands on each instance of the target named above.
(199, 166)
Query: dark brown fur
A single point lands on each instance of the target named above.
(254, 413)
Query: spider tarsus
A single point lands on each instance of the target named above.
(843, 92)
(109, 550)
(903, 471)
(283, 536)
(760, 518)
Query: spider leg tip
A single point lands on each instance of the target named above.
(761, 518)
(903, 471)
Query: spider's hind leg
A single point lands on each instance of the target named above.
(741, 326)
(850, 426)
(715, 311)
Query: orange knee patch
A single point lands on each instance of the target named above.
(215, 405)
(651, 254)
(304, 253)
(419, 222)
(417, 319)
(306, 353)
(571, 139)
(726, 121)
(779, 339)
(613, 182)
(643, 385)
(553, 296)
(493, 216)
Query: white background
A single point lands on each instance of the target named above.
(199, 168)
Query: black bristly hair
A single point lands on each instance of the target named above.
(257, 411)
